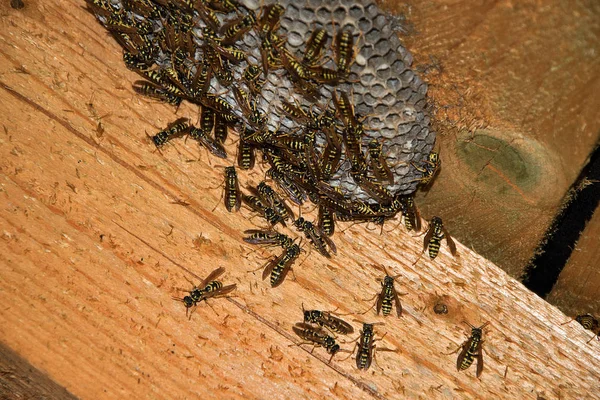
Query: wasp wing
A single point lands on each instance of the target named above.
(479, 358)
(212, 276)
(427, 238)
(451, 244)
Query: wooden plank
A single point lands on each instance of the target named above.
(93, 246)
(19, 380)
(514, 90)
(577, 290)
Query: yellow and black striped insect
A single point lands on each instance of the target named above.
(388, 297)
(269, 238)
(149, 89)
(324, 75)
(270, 18)
(268, 195)
(279, 267)
(314, 47)
(344, 51)
(373, 188)
(176, 129)
(316, 237)
(200, 82)
(269, 51)
(434, 236)
(471, 349)
(588, 322)
(326, 220)
(268, 213)
(317, 337)
(412, 218)
(365, 354)
(246, 156)
(221, 106)
(327, 320)
(378, 164)
(294, 192)
(220, 67)
(233, 198)
(234, 30)
(221, 129)
(430, 170)
(208, 142)
(207, 289)
(251, 76)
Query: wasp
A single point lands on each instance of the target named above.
(263, 209)
(207, 15)
(225, 6)
(374, 189)
(378, 164)
(221, 129)
(207, 120)
(234, 30)
(233, 199)
(471, 348)
(324, 75)
(176, 129)
(150, 90)
(268, 195)
(295, 68)
(434, 236)
(255, 117)
(327, 320)
(316, 336)
(294, 192)
(245, 157)
(315, 236)
(251, 76)
(134, 62)
(269, 51)
(201, 79)
(388, 297)
(344, 51)
(208, 142)
(280, 266)
(208, 288)
(271, 238)
(314, 47)
(412, 218)
(219, 66)
(294, 111)
(366, 347)
(270, 18)
(326, 220)
(590, 323)
(430, 170)
(221, 106)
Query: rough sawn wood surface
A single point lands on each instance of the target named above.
(93, 245)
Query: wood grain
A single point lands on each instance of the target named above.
(19, 380)
(513, 86)
(93, 245)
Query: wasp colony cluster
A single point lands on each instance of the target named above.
(324, 94)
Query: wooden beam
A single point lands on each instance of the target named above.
(514, 91)
(95, 241)
(20, 380)
(578, 287)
